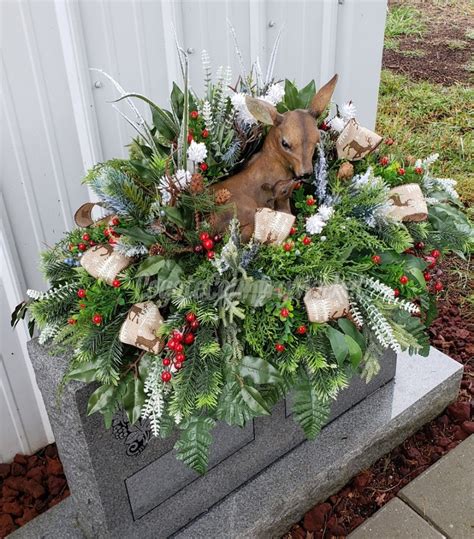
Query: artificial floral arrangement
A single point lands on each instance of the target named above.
(253, 247)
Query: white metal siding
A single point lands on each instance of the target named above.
(56, 122)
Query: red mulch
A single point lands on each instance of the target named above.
(453, 333)
(29, 486)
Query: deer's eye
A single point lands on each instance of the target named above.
(285, 144)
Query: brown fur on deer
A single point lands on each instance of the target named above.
(287, 153)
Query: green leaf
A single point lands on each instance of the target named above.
(338, 344)
(102, 398)
(231, 407)
(193, 445)
(150, 266)
(350, 329)
(174, 215)
(308, 411)
(259, 370)
(84, 372)
(168, 272)
(355, 351)
(254, 400)
(255, 292)
(291, 95)
(134, 399)
(136, 233)
(177, 100)
(306, 94)
(417, 274)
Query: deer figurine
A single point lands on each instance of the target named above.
(287, 153)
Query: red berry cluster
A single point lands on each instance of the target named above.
(84, 244)
(207, 244)
(176, 346)
(110, 233)
(432, 274)
(204, 133)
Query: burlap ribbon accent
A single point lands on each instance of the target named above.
(140, 327)
(102, 262)
(326, 303)
(272, 226)
(408, 203)
(356, 142)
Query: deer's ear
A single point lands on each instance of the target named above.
(262, 111)
(321, 99)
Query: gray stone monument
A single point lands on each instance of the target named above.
(125, 484)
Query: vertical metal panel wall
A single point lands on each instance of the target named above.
(56, 120)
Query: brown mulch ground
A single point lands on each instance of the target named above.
(453, 333)
(29, 486)
(444, 52)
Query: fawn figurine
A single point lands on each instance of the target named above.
(287, 153)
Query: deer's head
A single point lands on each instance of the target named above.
(294, 134)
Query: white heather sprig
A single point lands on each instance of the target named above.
(243, 114)
(275, 94)
(154, 404)
(377, 289)
(356, 314)
(179, 181)
(347, 111)
(337, 124)
(379, 325)
(35, 294)
(206, 113)
(48, 332)
(316, 223)
(197, 151)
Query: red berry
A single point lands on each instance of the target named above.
(97, 319)
(107, 231)
(82, 246)
(177, 336)
(190, 317)
(171, 344)
(279, 347)
(217, 238)
(376, 259)
(208, 244)
(427, 276)
(180, 357)
(115, 221)
(438, 286)
(285, 313)
(190, 138)
(384, 161)
(112, 241)
(71, 321)
(419, 170)
(198, 249)
(82, 305)
(166, 361)
(435, 253)
(301, 330)
(116, 283)
(419, 245)
(188, 338)
(205, 133)
(166, 376)
(86, 237)
(203, 236)
(287, 247)
(194, 325)
(403, 279)
(298, 185)
(389, 141)
(431, 261)
(324, 126)
(293, 231)
(178, 365)
(81, 293)
(306, 240)
(194, 114)
(310, 201)
(396, 292)
(210, 254)
(179, 347)
(92, 243)
(401, 171)
(203, 167)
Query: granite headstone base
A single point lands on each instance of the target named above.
(122, 477)
(263, 506)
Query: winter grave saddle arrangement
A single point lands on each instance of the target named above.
(253, 246)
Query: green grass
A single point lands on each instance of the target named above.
(426, 118)
(456, 44)
(415, 53)
(470, 33)
(391, 43)
(403, 21)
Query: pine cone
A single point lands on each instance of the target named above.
(197, 184)
(346, 171)
(156, 249)
(222, 196)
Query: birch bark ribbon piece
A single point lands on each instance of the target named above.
(355, 142)
(272, 226)
(102, 262)
(326, 303)
(140, 327)
(408, 203)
